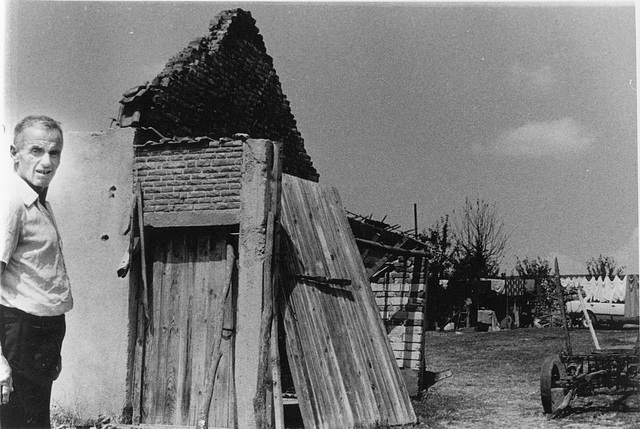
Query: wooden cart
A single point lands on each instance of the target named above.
(567, 375)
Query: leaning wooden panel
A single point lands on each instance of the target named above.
(342, 363)
(378, 340)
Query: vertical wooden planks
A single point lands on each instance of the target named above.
(200, 342)
(175, 284)
(188, 274)
(186, 322)
(352, 269)
(151, 338)
(181, 318)
(343, 366)
(363, 350)
(392, 388)
(220, 315)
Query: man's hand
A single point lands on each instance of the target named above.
(6, 382)
(57, 371)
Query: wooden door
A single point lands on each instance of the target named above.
(188, 272)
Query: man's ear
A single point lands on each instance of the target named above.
(14, 152)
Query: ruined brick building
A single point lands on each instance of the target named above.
(217, 156)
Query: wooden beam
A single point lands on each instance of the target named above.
(132, 327)
(255, 201)
(385, 259)
(143, 316)
(563, 314)
(423, 339)
(196, 218)
(391, 249)
(265, 402)
(143, 253)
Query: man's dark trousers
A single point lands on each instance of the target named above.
(32, 346)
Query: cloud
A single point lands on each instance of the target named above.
(540, 139)
(532, 81)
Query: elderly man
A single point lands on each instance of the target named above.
(34, 292)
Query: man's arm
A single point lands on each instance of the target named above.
(6, 382)
(10, 226)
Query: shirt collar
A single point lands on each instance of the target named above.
(24, 191)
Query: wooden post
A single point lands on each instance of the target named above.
(563, 313)
(132, 327)
(143, 253)
(588, 319)
(143, 321)
(255, 202)
(276, 375)
(423, 341)
(507, 311)
(263, 402)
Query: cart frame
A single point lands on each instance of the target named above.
(567, 375)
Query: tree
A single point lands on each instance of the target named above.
(547, 296)
(480, 237)
(604, 266)
(440, 247)
(533, 268)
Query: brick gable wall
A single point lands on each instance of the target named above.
(221, 84)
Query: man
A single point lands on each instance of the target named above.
(34, 287)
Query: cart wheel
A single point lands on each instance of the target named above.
(551, 393)
(592, 319)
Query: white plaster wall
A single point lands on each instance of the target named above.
(94, 352)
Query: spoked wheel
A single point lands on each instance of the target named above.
(551, 393)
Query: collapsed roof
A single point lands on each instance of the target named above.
(380, 243)
(221, 84)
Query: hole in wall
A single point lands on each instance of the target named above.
(105, 237)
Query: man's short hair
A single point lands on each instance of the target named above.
(34, 120)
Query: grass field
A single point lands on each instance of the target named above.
(496, 381)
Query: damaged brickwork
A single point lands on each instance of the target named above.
(220, 85)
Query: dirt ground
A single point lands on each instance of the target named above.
(496, 381)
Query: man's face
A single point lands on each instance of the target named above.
(37, 158)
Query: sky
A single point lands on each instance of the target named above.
(531, 107)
